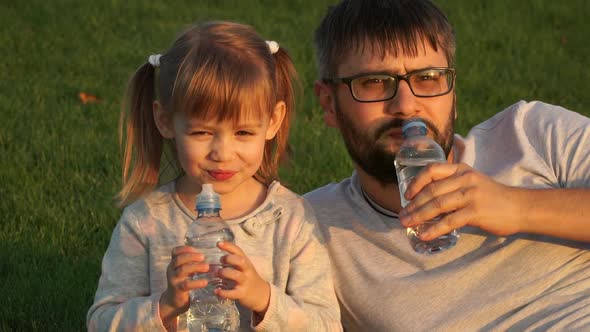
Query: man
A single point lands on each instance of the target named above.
(517, 187)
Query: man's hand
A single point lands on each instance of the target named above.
(463, 196)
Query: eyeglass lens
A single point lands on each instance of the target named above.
(424, 83)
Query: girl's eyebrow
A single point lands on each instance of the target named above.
(249, 124)
(212, 124)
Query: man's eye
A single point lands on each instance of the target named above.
(245, 133)
(372, 81)
(429, 76)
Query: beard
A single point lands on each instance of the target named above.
(373, 151)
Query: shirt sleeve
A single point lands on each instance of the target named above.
(561, 138)
(309, 302)
(123, 301)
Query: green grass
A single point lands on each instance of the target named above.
(59, 160)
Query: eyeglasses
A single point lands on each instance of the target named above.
(373, 87)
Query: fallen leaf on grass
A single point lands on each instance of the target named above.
(87, 98)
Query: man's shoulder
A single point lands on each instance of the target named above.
(330, 197)
(530, 115)
(329, 192)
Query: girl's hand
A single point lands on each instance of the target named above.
(251, 290)
(185, 262)
(465, 197)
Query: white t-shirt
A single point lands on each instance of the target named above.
(486, 282)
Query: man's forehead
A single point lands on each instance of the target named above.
(374, 57)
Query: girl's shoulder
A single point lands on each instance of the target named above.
(162, 195)
(280, 195)
(291, 204)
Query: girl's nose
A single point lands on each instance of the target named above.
(221, 149)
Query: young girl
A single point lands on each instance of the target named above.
(222, 98)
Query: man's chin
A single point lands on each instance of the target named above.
(383, 176)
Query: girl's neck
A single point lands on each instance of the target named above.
(235, 204)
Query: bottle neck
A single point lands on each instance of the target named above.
(208, 212)
(414, 131)
(415, 135)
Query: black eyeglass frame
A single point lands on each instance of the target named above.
(348, 80)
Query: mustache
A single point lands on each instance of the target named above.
(398, 123)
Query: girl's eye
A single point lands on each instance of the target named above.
(199, 133)
(245, 133)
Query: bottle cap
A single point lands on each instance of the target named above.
(208, 198)
(414, 127)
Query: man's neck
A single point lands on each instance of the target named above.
(384, 195)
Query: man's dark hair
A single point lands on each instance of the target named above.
(386, 26)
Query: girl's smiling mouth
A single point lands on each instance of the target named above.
(221, 175)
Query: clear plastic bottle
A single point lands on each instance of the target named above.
(207, 311)
(417, 151)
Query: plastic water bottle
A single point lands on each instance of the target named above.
(417, 151)
(207, 311)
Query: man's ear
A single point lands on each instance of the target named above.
(455, 105)
(276, 119)
(163, 120)
(326, 98)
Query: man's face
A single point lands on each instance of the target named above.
(372, 131)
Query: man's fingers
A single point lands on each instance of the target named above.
(445, 225)
(432, 191)
(431, 173)
(418, 213)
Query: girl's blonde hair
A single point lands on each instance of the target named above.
(217, 70)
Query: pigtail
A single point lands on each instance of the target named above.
(139, 138)
(288, 87)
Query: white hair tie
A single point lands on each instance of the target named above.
(273, 46)
(154, 60)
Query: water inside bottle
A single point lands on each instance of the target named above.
(406, 170)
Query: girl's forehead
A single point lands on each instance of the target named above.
(211, 119)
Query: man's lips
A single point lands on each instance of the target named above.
(221, 175)
(395, 133)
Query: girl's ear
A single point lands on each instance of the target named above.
(276, 119)
(163, 120)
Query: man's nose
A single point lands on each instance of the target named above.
(404, 101)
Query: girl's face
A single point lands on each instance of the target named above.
(225, 154)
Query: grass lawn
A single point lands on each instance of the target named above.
(59, 159)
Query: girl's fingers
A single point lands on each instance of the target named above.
(183, 250)
(189, 284)
(189, 269)
(238, 262)
(230, 247)
(231, 274)
(231, 294)
(187, 258)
